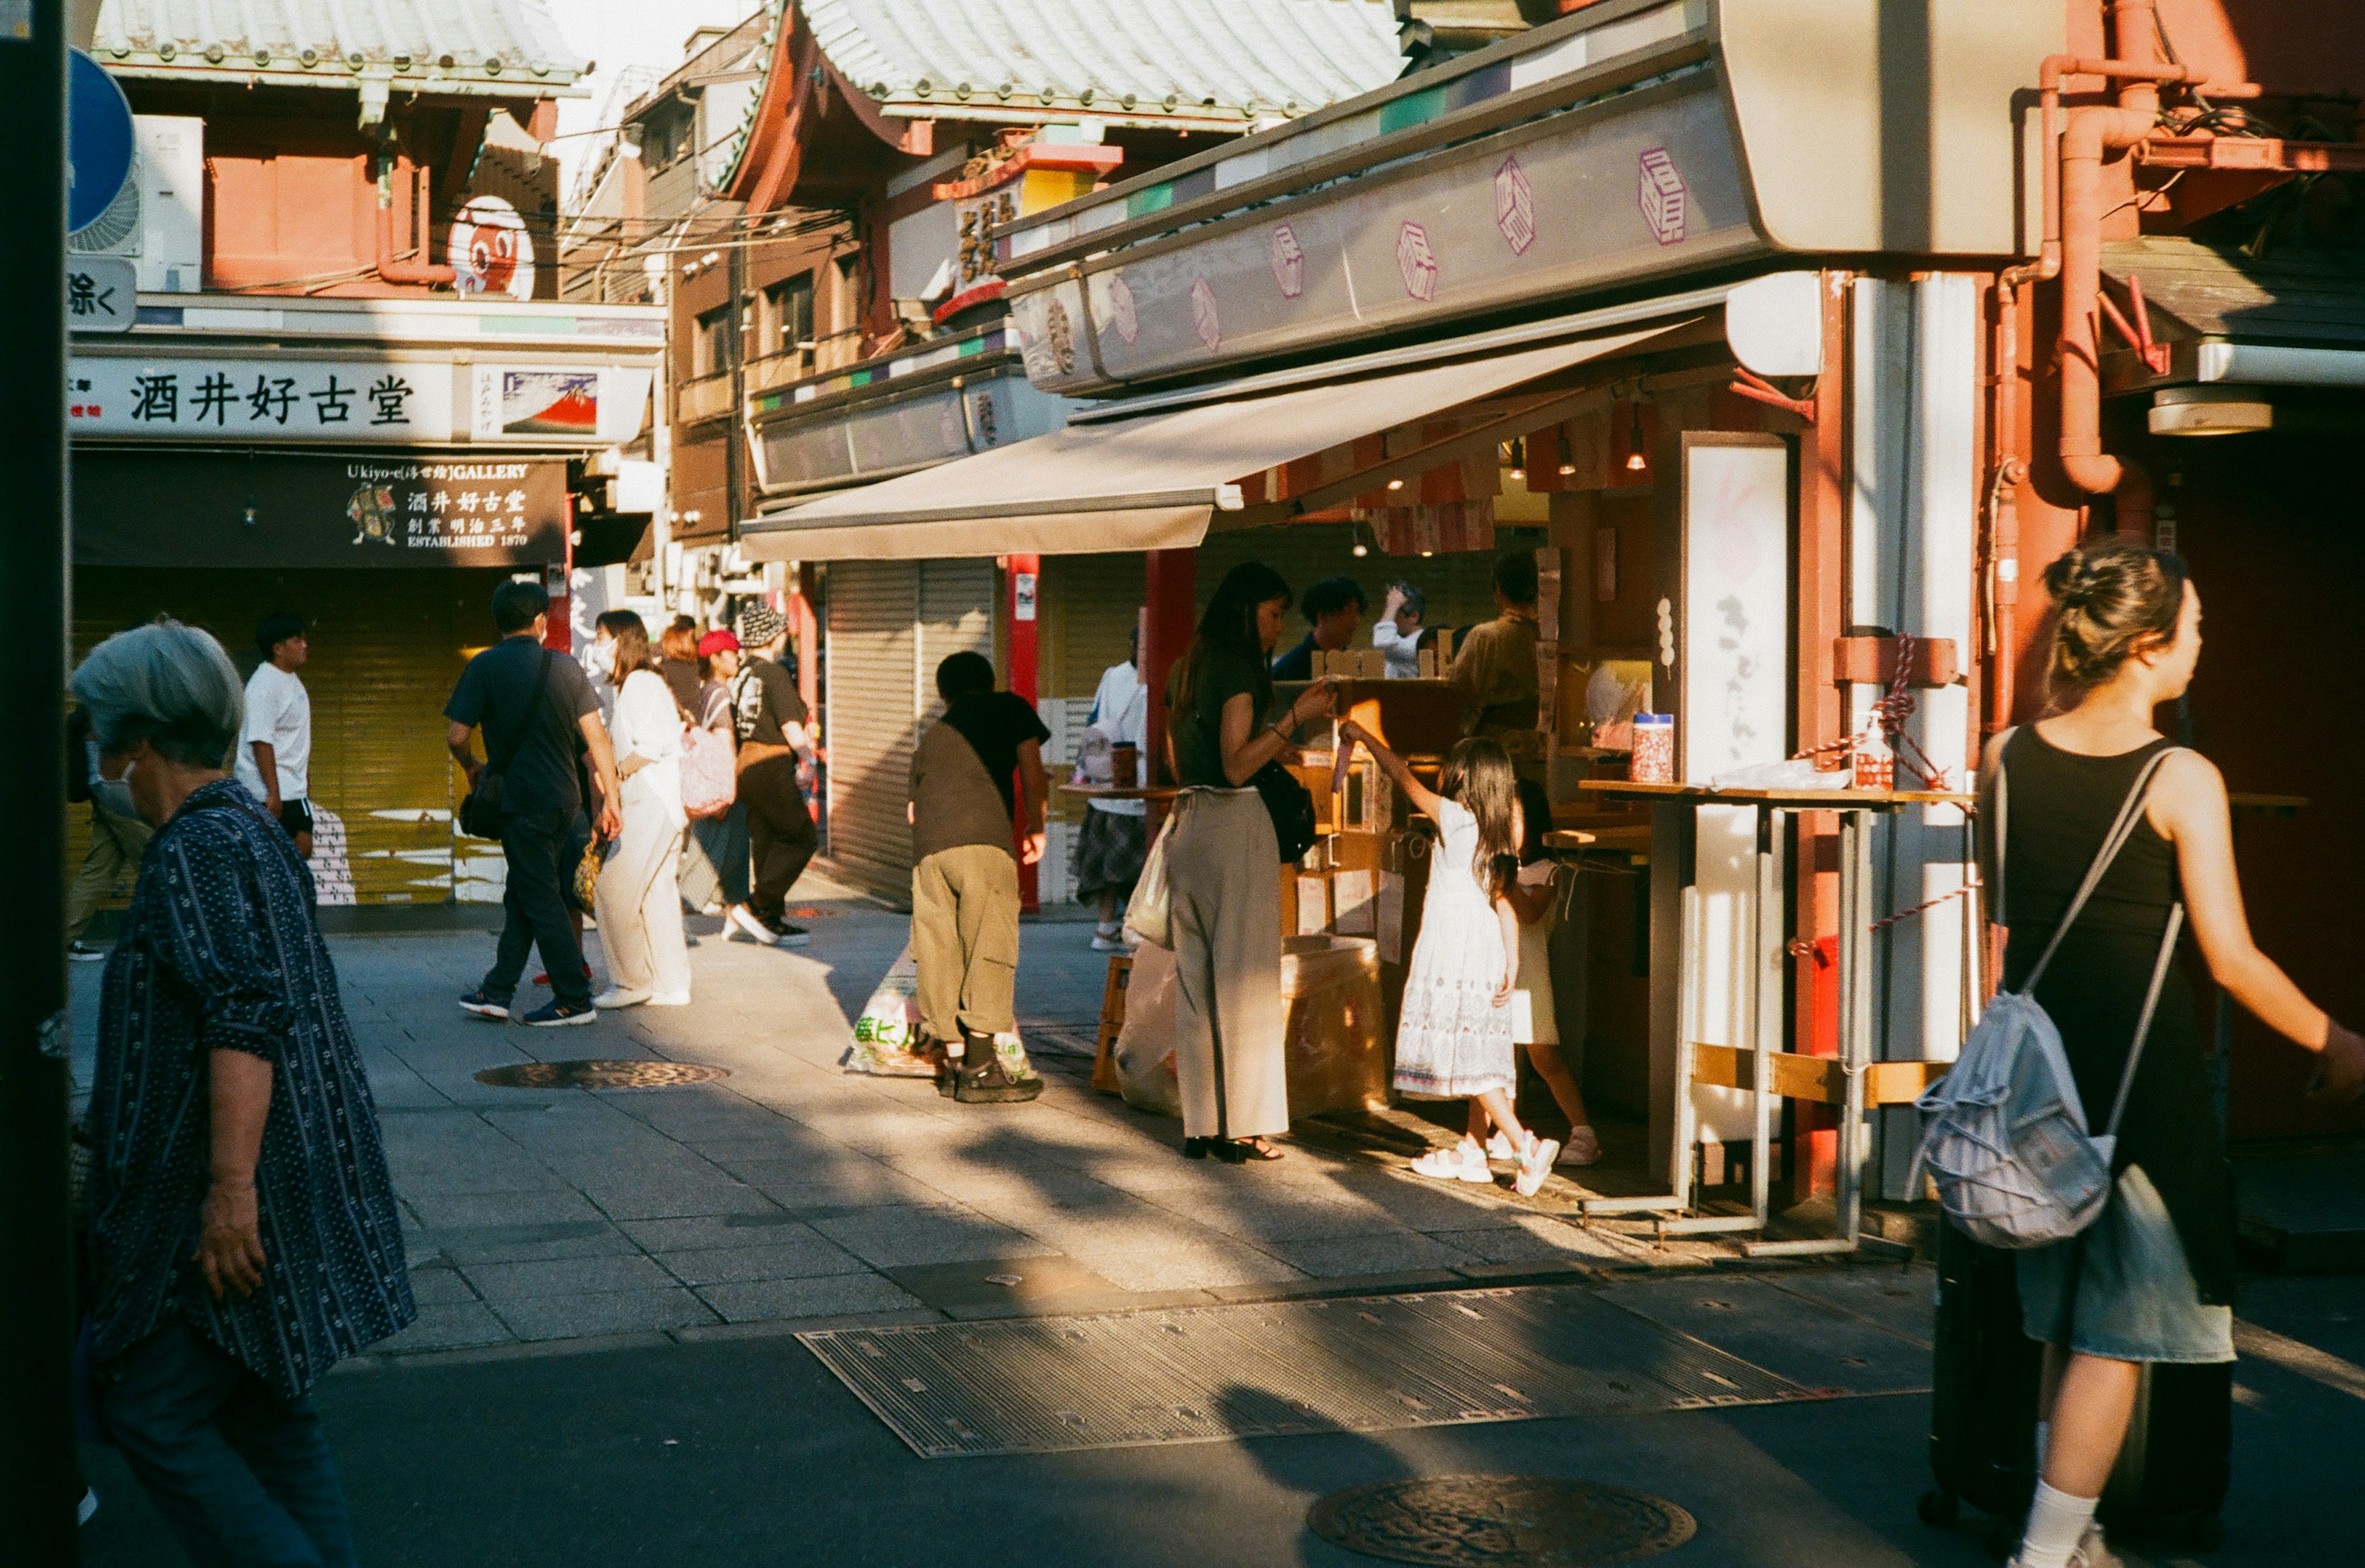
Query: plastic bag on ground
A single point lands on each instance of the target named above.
(1145, 1045)
(889, 1026)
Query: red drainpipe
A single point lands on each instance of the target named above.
(414, 271)
(1023, 579)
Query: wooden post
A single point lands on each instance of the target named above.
(1822, 598)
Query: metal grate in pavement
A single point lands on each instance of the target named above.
(1206, 1373)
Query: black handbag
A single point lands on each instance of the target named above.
(480, 811)
(1291, 806)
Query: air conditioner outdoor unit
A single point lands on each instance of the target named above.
(158, 221)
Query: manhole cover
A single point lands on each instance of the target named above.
(1474, 1520)
(598, 1075)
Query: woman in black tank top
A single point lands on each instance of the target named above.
(2152, 1279)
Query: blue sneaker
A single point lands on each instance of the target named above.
(559, 1014)
(484, 1004)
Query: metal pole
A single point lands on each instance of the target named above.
(1765, 1023)
(38, 1480)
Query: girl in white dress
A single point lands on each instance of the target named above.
(1453, 1041)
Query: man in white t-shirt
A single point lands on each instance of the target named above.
(275, 750)
(1396, 633)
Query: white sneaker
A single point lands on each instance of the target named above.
(84, 953)
(740, 921)
(669, 999)
(617, 996)
(1466, 1161)
(1535, 1164)
(1582, 1148)
(1109, 944)
(2091, 1552)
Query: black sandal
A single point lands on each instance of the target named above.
(1240, 1151)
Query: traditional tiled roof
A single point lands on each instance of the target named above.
(1224, 62)
(498, 48)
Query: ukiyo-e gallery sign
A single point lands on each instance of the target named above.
(275, 400)
(247, 509)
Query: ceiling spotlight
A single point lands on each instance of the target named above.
(1396, 484)
(1426, 554)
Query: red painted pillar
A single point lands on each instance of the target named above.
(1167, 621)
(1021, 583)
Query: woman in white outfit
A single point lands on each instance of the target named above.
(639, 898)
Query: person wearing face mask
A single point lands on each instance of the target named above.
(600, 658)
(118, 839)
(243, 1234)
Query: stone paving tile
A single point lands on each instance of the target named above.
(1294, 1216)
(437, 1286)
(518, 1244)
(800, 1258)
(757, 1301)
(448, 1326)
(1397, 1252)
(854, 1182)
(1535, 1239)
(1187, 1267)
(502, 1283)
(690, 1233)
(439, 1210)
(604, 1312)
(892, 1238)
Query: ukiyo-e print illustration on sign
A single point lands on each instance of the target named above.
(240, 510)
(541, 402)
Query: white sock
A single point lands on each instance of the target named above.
(2056, 1523)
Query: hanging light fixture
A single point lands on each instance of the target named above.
(1518, 449)
(1567, 454)
(1359, 549)
(1635, 462)
(1396, 484)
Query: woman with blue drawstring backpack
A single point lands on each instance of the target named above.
(2151, 1280)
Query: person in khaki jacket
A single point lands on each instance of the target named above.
(964, 811)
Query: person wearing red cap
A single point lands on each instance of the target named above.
(714, 855)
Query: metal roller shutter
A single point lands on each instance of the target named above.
(890, 624)
(873, 670)
(386, 646)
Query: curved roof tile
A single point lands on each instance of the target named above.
(507, 47)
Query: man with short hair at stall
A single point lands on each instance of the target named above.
(964, 815)
(1333, 608)
(1495, 668)
(274, 749)
(1396, 633)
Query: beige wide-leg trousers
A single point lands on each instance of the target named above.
(638, 903)
(1223, 875)
(965, 940)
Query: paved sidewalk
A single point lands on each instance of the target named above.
(792, 1191)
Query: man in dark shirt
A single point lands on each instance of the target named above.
(774, 743)
(964, 813)
(1333, 608)
(532, 709)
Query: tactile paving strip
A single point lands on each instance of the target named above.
(1207, 1374)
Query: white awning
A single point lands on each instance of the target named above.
(1152, 482)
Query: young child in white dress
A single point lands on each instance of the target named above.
(1535, 1019)
(1454, 1039)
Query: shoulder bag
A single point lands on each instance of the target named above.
(481, 812)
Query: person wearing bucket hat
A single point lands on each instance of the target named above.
(774, 741)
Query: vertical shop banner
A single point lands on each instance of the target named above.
(203, 509)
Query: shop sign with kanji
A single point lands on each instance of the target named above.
(270, 400)
(102, 293)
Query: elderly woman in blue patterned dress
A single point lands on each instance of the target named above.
(242, 1230)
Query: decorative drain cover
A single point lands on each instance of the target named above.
(1478, 1521)
(598, 1075)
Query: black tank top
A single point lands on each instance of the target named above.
(2058, 808)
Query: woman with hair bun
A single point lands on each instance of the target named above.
(2152, 1279)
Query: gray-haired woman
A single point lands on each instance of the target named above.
(242, 1230)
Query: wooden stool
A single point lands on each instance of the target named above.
(1120, 970)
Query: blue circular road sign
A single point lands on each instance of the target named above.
(98, 141)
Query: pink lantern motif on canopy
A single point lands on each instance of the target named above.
(1515, 206)
(1202, 314)
(1666, 200)
(1122, 315)
(1417, 262)
(1288, 262)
